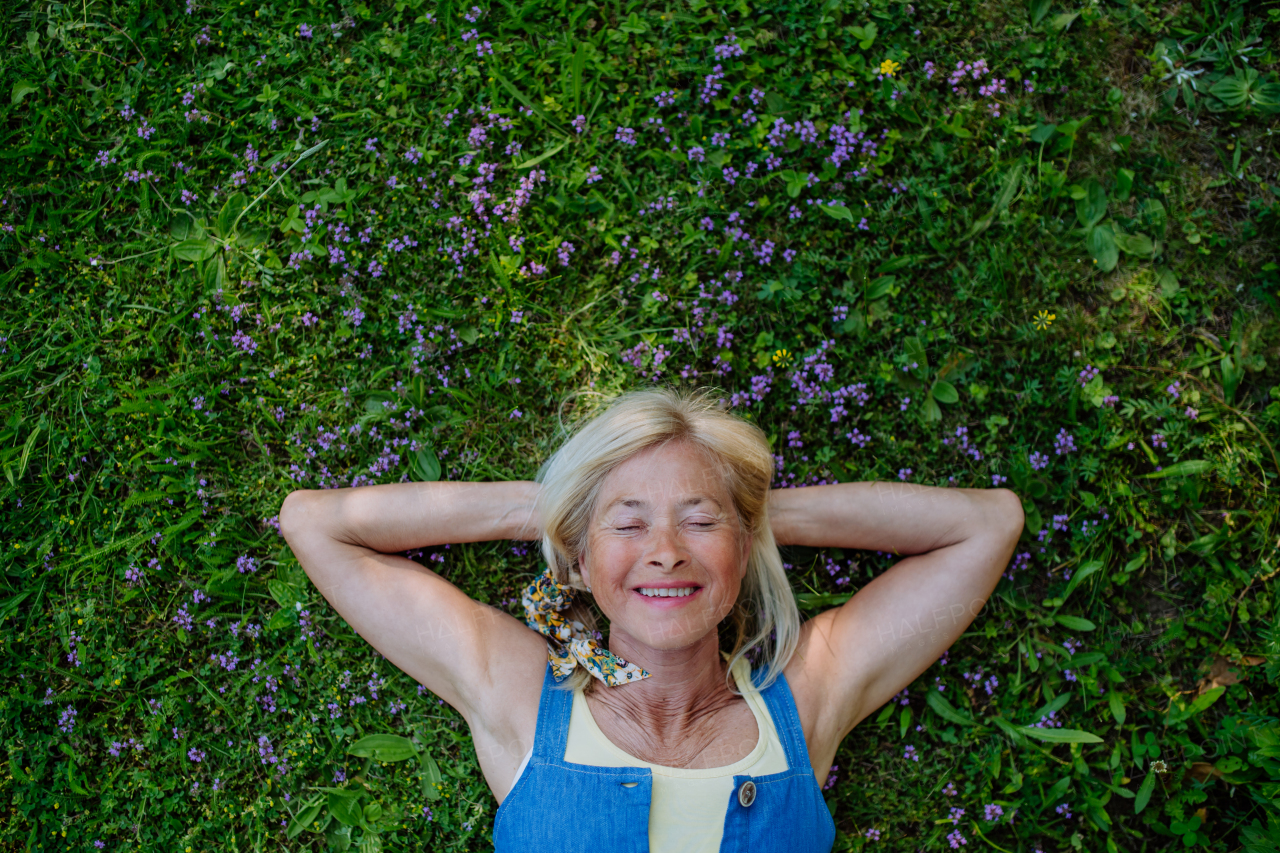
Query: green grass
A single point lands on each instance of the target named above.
(171, 367)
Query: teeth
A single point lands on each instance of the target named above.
(667, 593)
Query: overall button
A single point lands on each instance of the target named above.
(747, 793)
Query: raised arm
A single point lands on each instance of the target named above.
(859, 655)
(345, 539)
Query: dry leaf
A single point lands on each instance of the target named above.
(1202, 771)
(1224, 673)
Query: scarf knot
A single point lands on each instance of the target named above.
(568, 644)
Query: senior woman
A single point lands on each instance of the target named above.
(664, 738)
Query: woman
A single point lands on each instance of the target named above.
(658, 510)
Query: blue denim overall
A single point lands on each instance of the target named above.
(560, 807)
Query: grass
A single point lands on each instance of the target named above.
(251, 247)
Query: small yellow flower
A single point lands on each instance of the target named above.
(888, 67)
(782, 357)
(1044, 320)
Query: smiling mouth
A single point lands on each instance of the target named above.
(667, 592)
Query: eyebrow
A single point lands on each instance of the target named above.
(637, 503)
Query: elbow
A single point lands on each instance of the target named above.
(293, 513)
(1007, 513)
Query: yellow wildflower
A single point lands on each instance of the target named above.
(888, 67)
(1044, 320)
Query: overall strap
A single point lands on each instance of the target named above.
(786, 719)
(554, 708)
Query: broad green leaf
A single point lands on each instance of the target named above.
(303, 820)
(1135, 244)
(904, 723)
(1181, 469)
(281, 619)
(346, 808)
(1102, 246)
(1116, 702)
(1069, 129)
(837, 211)
(20, 90)
(1008, 188)
(370, 843)
(916, 352)
(1232, 373)
(576, 66)
(796, 183)
(1232, 91)
(26, 450)
(339, 839)
(866, 35)
(1052, 706)
(1059, 788)
(946, 710)
(1124, 183)
(383, 748)
(1092, 206)
(1144, 793)
(634, 25)
(219, 274)
(1009, 729)
(879, 287)
(1039, 8)
(11, 604)
(1201, 703)
(372, 812)
(430, 776)
(1083, 572)
(945, 392)
(1075, 623)
(180, 226)
(230, 212)
(284, 593)
(1088, 658)
(195, 250)
(1059, 735)
(1061, 22)
(425, 465)
(932, 411)
(1043, 132)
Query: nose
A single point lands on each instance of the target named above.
(665, 550)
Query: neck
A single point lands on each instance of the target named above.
(683, 686)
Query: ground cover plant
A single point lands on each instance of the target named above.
(248, 247)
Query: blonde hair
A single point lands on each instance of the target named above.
(765, 616)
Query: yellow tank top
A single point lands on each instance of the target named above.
(687, 809)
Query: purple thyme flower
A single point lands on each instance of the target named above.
(1064, 442)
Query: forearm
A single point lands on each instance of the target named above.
(404, 516)
(900, 518)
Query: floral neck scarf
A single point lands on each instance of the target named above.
(568, 644)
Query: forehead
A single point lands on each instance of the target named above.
(675, 471)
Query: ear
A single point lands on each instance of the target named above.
(582, 570)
